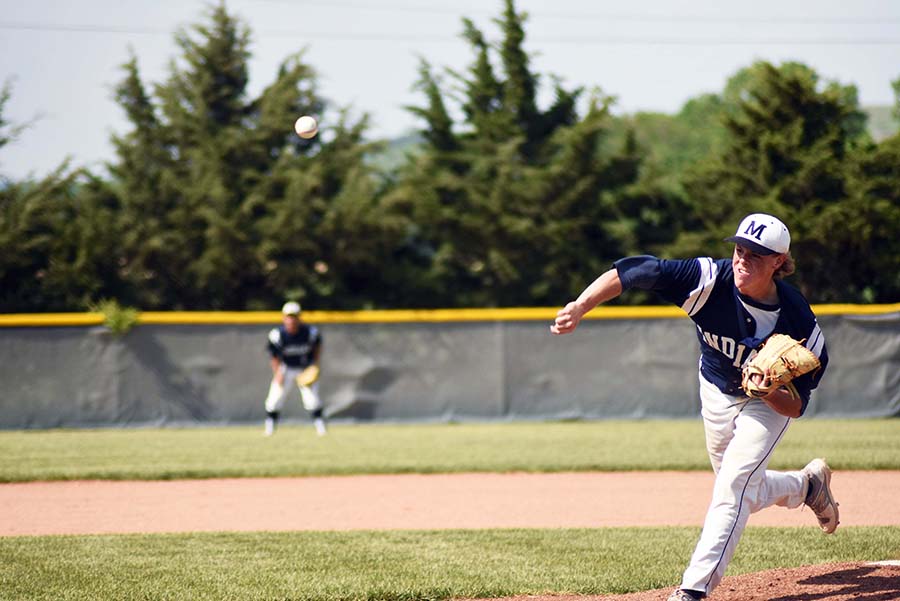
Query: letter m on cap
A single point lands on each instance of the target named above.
(755, 230)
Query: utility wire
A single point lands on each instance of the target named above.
(598, 39)
(602, 16)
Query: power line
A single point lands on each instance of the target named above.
(598, 39)
(704, 19)
(84, 28)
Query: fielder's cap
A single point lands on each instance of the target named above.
(763, 234)
(291, 308)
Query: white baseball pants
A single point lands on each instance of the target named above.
(740, 436)
(278, 393)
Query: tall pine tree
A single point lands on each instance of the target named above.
(491, 199)
(223, 206)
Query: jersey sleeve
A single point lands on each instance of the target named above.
(273, 343)
(806, 383)
(315, 336)
(800, 323)
(683, 282)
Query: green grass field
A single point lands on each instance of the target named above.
(396, 565)
(404, 565)
(153, 454)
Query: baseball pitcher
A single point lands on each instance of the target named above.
(741, 308)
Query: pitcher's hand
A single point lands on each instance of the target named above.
(567, 319)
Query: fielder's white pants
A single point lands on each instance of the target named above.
(740, 437)
(278, 393)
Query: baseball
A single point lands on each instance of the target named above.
(306, 127)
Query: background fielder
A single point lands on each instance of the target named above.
(293, 347)
(735, 304)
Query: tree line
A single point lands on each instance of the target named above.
(212, 203)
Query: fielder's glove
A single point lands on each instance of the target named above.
(308, 376)
(780, 360)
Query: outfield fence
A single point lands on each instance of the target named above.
(69, 370)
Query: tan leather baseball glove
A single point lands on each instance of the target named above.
(780, 360)
(308, 376)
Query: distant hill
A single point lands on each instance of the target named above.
(395, 152)
(882, 123)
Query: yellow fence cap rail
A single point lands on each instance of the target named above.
(50, 319)
(845, 309)
(394, 315)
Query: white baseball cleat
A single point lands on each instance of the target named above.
(819, 497)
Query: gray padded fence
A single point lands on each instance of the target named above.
(417, 371)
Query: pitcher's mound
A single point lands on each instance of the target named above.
(826, 582)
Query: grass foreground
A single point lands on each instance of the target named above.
(397, 565)
(406, 565)
(242, 451)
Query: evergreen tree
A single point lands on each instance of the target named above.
(31, 225)
(155, 244)
(223, 206)
(786, 153)
(483, 101)
(8, 131)
(58, 243)
(204, 105)
(506, 205)
(798, 148)
(579, 203)
(214, 203)
(438, 132)
(854, 251)
(57, 237)
(329, 238)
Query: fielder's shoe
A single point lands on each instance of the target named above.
(818, 497)
(683, 595)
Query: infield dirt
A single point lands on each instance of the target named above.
(519, 500)
(388, 502)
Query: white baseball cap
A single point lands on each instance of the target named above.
(763, 234)
(291, 308)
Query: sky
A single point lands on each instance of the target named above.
(62, 58)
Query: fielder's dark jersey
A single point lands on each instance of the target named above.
(730, 326)
(297, 350)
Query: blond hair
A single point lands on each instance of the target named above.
(786, 268)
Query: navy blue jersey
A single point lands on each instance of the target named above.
(730, 326)
(295, 350)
